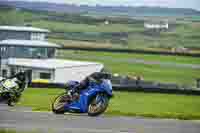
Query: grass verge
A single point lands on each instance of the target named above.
(126, 104)
(10, 130)
(117, 63)
(6, 130)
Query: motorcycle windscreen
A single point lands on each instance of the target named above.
(106, 85)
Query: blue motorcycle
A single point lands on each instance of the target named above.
(93, 99)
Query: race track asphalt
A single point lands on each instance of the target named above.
(23, 119)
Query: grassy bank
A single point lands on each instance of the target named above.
(71, 27)
(142, 104)
(179, 35)
(10, 130)
(146, 57)
(120, 32)
(121, 63)
(13, 131)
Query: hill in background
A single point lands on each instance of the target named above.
(77, 28)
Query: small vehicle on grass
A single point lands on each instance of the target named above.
(11, 88)
(93, 97)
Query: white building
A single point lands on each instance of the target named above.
(156, 25)
(22, 33)
(55, 70)
(38, 58)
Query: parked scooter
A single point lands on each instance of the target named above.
(93, 99)
(12, 87)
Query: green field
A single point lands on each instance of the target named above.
(147, 57)
(81, 44)
(71, 27)
(142, 104)
(181, 35)
(121, 63)
(9, 130)
(120, 32)
(39, 99)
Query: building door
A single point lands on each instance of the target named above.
(29, 76)
(1, 51)
(4, 73)
(12, 71)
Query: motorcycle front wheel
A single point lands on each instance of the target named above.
(9, 99)
(11, 102)
(59, 103)
(98, 105)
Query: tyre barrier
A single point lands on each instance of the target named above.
(47, 85)
(132, 88)
(157, 88)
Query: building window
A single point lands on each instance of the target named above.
(4, 73)
(51, 52)
(12, 71)
(4, 52)
(37, 36)
(45, 76)
(29, 52)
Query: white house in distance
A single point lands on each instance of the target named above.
(157, 25)
(37, 56)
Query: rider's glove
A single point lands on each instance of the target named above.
(70, 92)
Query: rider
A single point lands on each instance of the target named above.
(20, 79)
(96, 77)
(14, 85)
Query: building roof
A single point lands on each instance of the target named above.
(28, 43)
(23, 28)
(48, 63)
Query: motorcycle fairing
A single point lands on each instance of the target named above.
(81, 105)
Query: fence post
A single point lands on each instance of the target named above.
(198, 83)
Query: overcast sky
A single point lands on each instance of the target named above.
(195, 4)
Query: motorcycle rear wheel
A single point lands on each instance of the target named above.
(96, 108)
(59, 102)
(9, 99)
(11, 103)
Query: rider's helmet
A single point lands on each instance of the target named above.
(21, 75)
(99, 76)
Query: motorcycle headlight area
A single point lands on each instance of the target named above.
(9, 84)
